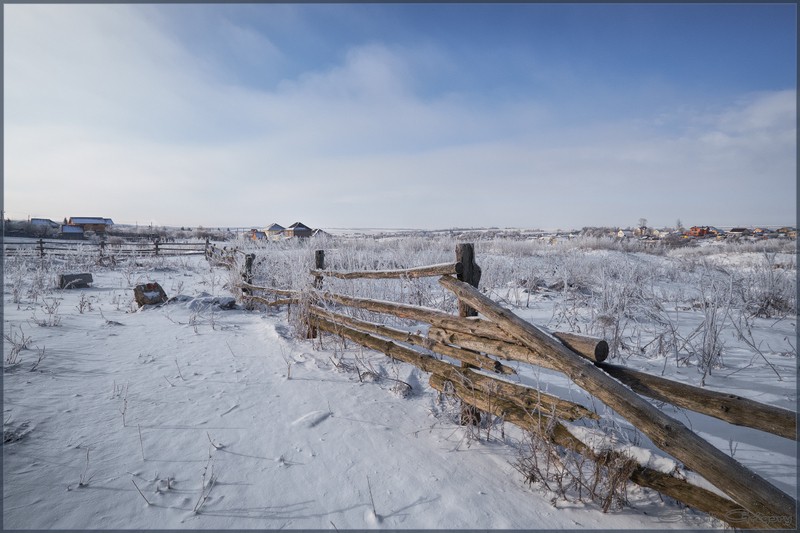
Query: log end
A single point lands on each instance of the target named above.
(601, 351)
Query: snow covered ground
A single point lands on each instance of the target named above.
(190, 415)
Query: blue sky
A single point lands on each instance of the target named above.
(392, 115)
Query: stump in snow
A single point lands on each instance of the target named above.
(149, 294)
(74, 281)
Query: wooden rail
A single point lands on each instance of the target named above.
(419, 272)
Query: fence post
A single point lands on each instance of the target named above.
(319, 264)
(156, 245)
(247, 275)
(208, 249)
(470, 273)
(41, 248)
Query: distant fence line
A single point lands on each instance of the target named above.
(105, 250)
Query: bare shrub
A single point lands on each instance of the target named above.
(18, 342)
(602, 479)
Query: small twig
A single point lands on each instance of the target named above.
(140, 492)
(216, 446)
(179, 369)
(370, 497)
(141, 443)
(168, 381)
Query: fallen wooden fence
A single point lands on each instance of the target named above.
(480, 342)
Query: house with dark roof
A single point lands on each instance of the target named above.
(44, 223)
(71, 232)
(274, 230)
(298, 229)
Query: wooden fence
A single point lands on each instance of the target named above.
(476, 344)
(105, 251)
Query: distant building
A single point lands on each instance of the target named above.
(96, 224)
(738, 232)
(71, 232)
(698, 231)
(319, 233)
(298, 229)
(44, 223)
(257, 235)
(275, 230)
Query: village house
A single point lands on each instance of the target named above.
(298, 229)
(71, 232)
(44, 223)
(698, 231)
(96, 224)
(257, 235)
(738, 232)
(275, 230)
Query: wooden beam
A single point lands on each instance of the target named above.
(589, 347)
(418, 272)
(748, 489)
(279, 292)
(728, 407)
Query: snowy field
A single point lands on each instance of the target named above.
(198, 415)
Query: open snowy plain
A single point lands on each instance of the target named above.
(194, 414)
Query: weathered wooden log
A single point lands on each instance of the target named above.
(260, 299)
(554, 431)
(728, 407)
(74, 281)
(479, 360)
(417, 272)
(524, 396)
(273, 290)
(590, 347)
(747, 488)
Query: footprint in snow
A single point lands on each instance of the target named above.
(312, 419)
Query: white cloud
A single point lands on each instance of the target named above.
(102, 104)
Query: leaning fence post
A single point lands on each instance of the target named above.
(41, 248)
(247, 275)
(470, 273)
